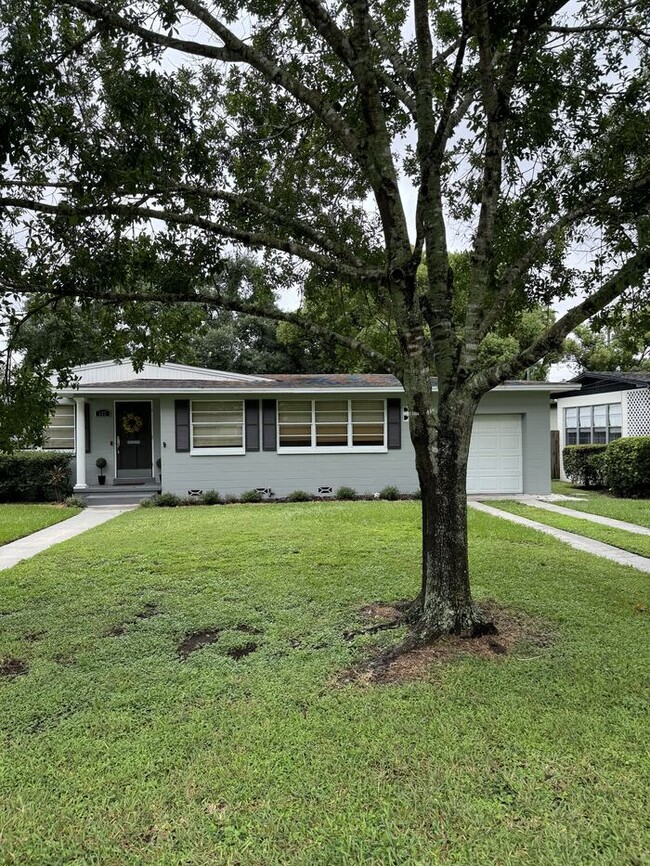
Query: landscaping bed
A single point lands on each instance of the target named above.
(171, 693)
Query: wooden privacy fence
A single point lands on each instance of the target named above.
(555, 454)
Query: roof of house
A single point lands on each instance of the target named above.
(108, 376)
(597, 382)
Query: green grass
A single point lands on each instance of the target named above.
(114, 752)
(618, 537)
(597, 502)
(17, 521)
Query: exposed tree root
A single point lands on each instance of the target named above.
(477, 634)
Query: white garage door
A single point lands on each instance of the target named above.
(495, 456)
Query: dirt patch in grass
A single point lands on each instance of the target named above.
(197, 640)
(11, 667)
(518, 633)
(33, 636)
(238, 652)
(149, 609)
(247, 629)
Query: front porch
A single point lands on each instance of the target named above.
(123, 435)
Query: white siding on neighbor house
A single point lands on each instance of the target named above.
(589, 400)
(526, 412)
(110, 371)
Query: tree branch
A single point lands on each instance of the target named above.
(632, 272)
(242, 307)
(251, 239)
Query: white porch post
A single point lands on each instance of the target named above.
(80, 442)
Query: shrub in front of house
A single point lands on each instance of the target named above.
(212, 497)
(299, 496)
(581, 467)
(627, 466)
(35, 476)
(166, 500)
(74, 502)
(346, 493)
(231, 498)
(251, 496)
(389, 492)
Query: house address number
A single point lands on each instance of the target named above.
(102, 413)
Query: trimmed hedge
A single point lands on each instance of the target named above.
(627, 466)
(35, 476)
(583, 466)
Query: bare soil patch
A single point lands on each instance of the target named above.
(11, 667)
(238, 652)
(196, 640)
(517, 631)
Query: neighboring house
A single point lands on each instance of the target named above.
(600, 408)
(186, 429)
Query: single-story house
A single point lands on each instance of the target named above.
(187, 429)
(601, 407)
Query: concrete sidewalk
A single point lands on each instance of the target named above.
(585, 515)
(587, 545)
(30, 545)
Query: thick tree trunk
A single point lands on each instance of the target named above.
(444, 604)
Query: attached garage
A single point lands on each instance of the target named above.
(495, 456)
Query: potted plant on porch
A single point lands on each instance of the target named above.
(101, 464)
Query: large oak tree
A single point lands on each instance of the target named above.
(348, 141)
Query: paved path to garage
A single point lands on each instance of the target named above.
(37, 542)
(585, 515)
(588, 545)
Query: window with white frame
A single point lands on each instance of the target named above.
(332, 425)
(592, 425)
(217, 426)
(59, 433)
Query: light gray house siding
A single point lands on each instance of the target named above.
(366, 473)
(510, 444)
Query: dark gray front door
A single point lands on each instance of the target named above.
(133, 438)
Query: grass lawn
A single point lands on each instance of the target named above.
(618, 537)
(17, 521)
(597, 502)
(117, 752)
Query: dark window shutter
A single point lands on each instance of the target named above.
(252, 425)
(87, 425)
(394, 411)
(182, 408)
(269, 439)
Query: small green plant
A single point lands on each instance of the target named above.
(101, 464)
(251, 496)
(212, 497)
(389, 492)
(146, 503)
(59, 481)
(230, 499)
(192, 500)
(346, 493)
(74, 502)
(417, 494)
(166, 500)
(299, 496)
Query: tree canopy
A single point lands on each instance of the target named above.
(347, 144)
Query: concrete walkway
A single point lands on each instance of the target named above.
(588, 545)
(30, 545)
(585, 515)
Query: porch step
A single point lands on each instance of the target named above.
(133, 482)
(123, 495)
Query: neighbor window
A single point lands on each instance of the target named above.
(59, 434)
(332, 424)
(592, 425)
(217, 425)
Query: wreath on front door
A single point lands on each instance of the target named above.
(132, 423)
